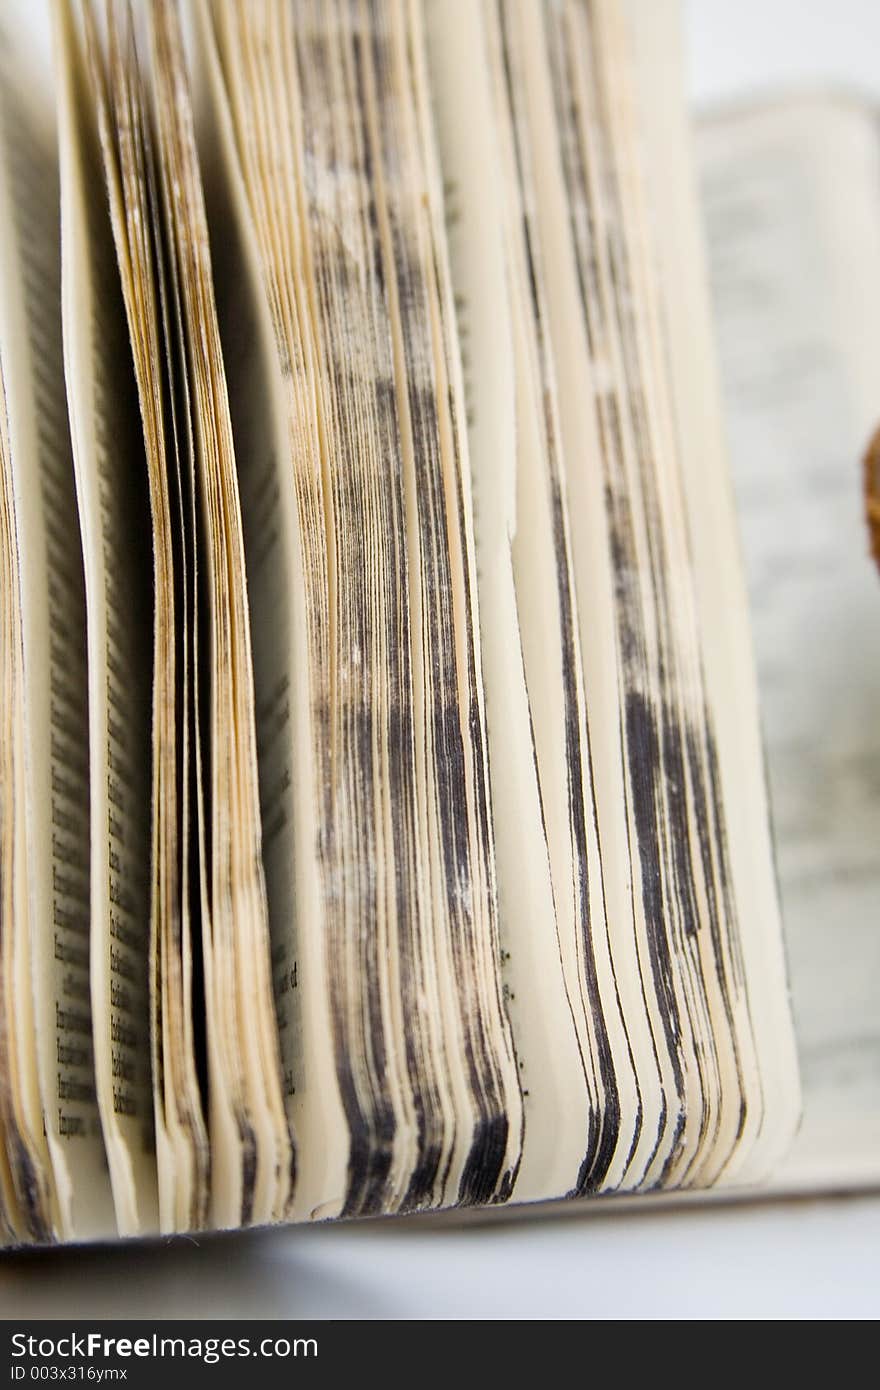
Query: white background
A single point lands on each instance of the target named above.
(798, 1259)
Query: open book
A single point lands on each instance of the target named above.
(383, 823)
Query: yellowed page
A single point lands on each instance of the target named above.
(54, 875)
(115, 527)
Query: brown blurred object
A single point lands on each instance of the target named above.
(872, 492)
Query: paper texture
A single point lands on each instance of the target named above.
(791, 197)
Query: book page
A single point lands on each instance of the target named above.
(671, 936)
(342, 204)
(791, 199)
(50, 818)
(26, 1207)
(556, 1097)
(683, 338)
(252, 1153)
(279, 628)
(127, 148)
(686, 947)
(111, 483)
